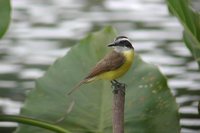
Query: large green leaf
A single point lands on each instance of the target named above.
(190, 19)
(4, 16)
(150, 107)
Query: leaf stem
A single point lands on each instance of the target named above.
(118, 107)
(32, 122)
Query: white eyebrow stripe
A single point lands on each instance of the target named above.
(123, 39)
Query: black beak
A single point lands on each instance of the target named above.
(112, 44)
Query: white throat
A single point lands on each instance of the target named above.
(121, 49)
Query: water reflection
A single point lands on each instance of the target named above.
(42, 31)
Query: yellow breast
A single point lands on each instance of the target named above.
(111, 75)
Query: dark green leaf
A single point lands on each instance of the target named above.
(150, 106)
(5, 10)
(190, 19)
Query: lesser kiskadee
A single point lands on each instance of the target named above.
(113, 65)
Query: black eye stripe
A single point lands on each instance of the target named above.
(125, 43)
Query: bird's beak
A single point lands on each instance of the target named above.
(112, 44)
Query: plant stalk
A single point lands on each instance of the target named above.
(32, 122)
(118, 108)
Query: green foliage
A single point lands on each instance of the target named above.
(190, 20)
(149, 108)
(5, 10)
(33, 122)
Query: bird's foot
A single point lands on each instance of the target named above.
(117, 85)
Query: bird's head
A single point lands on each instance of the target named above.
(121, 43)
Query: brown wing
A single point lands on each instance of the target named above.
(110, 62)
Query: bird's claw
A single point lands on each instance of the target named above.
(117, 85)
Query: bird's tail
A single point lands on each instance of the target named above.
(86, 80)
(77, 86)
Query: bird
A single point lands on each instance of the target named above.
(114, 65)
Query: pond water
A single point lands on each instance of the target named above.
(42, 31)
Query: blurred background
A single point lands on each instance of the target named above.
(41, 31)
